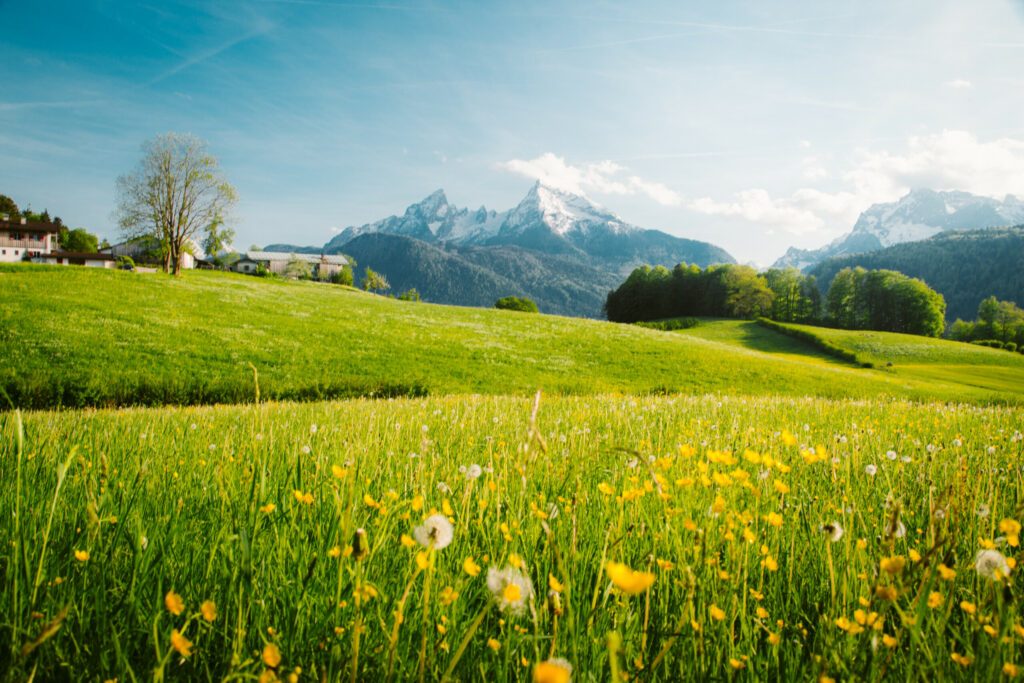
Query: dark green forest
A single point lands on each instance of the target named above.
(965, 266)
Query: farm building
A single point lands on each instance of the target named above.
(70, 258)
(147, 249)
(21, 240)
(321, 265)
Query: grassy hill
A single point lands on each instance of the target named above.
(80, 337)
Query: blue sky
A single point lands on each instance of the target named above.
(754, 125)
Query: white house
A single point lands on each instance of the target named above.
(321, 265)
(70, 258)
(146, 249)
(21, 240)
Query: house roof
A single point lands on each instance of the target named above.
(29, 226)
(336, 259)
(90, 256)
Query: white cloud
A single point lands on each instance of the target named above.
(951, 160)
(958, 84)
(603, 177)
(812, 169)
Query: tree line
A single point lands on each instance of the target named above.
(857, 299)
(999, 324)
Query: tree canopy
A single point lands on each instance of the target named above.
(176, 191)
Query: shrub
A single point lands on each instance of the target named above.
(125, 263)
(516, 303)
(813, 339)
(671, 324)
(410, 295)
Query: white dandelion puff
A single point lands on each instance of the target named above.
(991, 564)
(833, 531)
(871, 470)
(512, 589)
(473, 471)
(436, 532)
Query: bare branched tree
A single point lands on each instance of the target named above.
(176, 192)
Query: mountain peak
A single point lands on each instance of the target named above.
(434, 204)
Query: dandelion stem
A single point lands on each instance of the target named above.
(473, 627)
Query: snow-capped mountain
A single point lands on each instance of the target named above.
(917, 216)
(546, 219)
(560, 249)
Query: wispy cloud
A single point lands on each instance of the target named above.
(604, 177)
(958, 84)
(54, 104)
(262, 27)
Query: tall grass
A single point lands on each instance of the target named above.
(731, 504)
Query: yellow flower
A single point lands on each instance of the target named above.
(271, 655)
(180, 643)
(946, 573)
(737, 663)
(968, 607)
(774, 519)
(1011, 528)
(334, 552)
(407, 540)
(629, 581)
(770, 563)
(470, 566)
(892, 565)
(554, 584)
(552, 671)
(862, 543)
(82, 555)
(448, 596)
(605, 489)
(962, 660)
(889, 641)
(934, 599)
(1010, 669)
(338, 471)
(780, 487)
(174, 603)
(512, 593)
(717, 613)
(369, 501)
(422, 561)
(268, 508)
(788, 438)
(209, 610)
(417, 503)
(493, 644)
(762, 613)
(774, 638)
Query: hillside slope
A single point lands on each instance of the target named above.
(964, 266)
(75, 336)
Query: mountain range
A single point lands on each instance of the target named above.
(560, 249)
(920, 214)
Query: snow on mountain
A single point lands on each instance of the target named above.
(562, 212)
(920, 214)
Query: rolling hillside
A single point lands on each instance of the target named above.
(77, 337)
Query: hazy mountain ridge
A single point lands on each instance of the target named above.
(557, 247)
(918, 215)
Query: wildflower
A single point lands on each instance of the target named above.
(470, 566)
(448, 596)
(82, 555)
(716, 612)
(962, 660)
(737, 663)
(935, 599)
(1011, 529)
(968, 607)
(305, 498)
(871, 470)
(338, 471)
(991, 564)
(473, 471)
(945, 573)
(983, 511)
(435, 532)
(1010, 669)
(781, 487)
(892, 565)
(555, 585)
(892, 455)
(833, 531)
(271, 656)
(334, 552)
(511, 589)
(762, 613)
(774, 519)
(889, 641)
(770, 563)
(774, 638)
(555, 670)
(180, 643)
(268, 508)
(895, 528)
(788, 438)
(605, 489)
(628, 581)
(209, 610)
(493, 644)
(174, 603)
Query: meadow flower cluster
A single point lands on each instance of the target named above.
(595, 538)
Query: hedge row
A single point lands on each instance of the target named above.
(996, 344)
(670, 324)
(816, 341)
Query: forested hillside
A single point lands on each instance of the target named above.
(965, 267)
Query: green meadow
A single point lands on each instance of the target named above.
(715, 503)
(81, 337)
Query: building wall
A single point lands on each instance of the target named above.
(11, 254)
